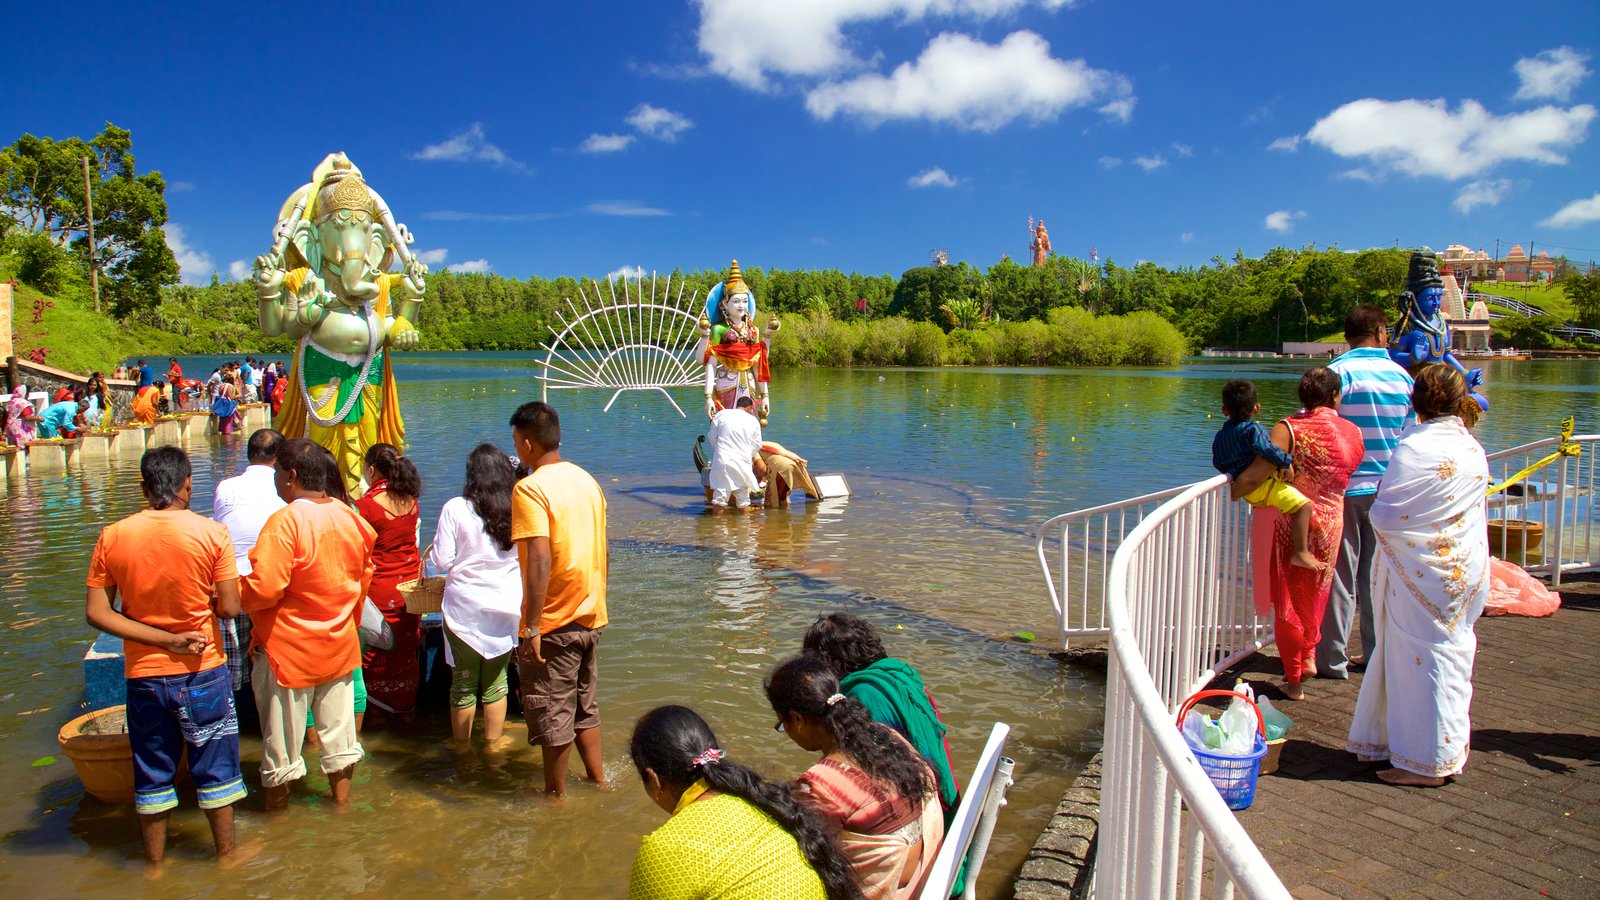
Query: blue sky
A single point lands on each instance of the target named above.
(579, 139)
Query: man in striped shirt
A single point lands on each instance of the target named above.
(1375, 395)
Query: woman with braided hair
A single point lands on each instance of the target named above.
(733, 834)
(871, 786)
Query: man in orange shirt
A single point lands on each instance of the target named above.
(179, 691)
(309, 571)
(558, 521)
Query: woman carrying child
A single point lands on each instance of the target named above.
(870, 785)
(1326, 450)
(733, 834)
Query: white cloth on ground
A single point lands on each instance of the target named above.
(735, 439)
(483, 591)
(1431, 582)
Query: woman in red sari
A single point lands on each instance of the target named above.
(390, 507)
(1326, 450)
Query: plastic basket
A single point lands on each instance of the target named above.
(1234, 776)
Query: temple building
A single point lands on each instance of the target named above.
(1515, 266)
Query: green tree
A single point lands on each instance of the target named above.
(1584, 292)
(41, 191)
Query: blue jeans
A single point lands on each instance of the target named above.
(167, 713)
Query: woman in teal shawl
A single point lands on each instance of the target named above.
(891, 690)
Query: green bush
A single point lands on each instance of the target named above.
(39, 261)
(925, 345)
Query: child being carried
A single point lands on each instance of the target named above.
(1237, 445)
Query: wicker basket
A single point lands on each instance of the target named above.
(425, 593)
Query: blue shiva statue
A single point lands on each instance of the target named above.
(1422, 335)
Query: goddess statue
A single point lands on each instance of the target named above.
(327, 282)
(1041, 243)
(733, 349)
(1422, 335)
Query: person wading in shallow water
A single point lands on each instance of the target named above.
(558, 521)
(310, 569)
(179, 694)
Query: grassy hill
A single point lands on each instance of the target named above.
(74, 336)
(1548, 297)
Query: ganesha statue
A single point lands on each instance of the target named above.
(327, 281)
(1422, 335)
(733, 349)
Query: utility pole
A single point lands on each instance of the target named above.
(94, 252)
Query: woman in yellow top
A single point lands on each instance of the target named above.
(733, 835)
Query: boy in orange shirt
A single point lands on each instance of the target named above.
(558, 521)
(179, 691)
(309, 571)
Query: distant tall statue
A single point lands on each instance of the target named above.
(327, 282)
(1041, 243)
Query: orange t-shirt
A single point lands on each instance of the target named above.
(164, 563)
(309, 571)
(562, 502)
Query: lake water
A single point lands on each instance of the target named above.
(950, 472)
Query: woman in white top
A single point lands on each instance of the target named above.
(482, 603)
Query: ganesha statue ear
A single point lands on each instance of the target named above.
(378, 246)
(303, 237)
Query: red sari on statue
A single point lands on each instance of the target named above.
(392, 675)
(1326, 450)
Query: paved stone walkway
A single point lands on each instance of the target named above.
(1522, 821)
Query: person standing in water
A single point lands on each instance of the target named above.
(558, 521)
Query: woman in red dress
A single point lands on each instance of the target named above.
(390, 507)
(1326, 450)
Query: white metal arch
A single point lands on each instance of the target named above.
(648, 339)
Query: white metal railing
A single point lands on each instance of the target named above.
(1075, 552)
(973, 824)
(1559, 501)
(1178, 610)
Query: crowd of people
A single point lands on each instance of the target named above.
(285, 608)
(1370, 507)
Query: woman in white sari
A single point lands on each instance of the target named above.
(1430, 585)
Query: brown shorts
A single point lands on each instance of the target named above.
(558, 697)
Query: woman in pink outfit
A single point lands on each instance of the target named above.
(1326, 450)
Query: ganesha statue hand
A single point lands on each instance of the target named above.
(330, 280)
(733, 350)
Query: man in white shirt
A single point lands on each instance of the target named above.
(735, 439)
(244, 503)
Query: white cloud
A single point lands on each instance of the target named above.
(180, 187)
(1187, 237)
(627, 273)
(1283, 220)
(745, 41)
(433, 257)
(1182, 149)
(1360, 174)
(1576, 213)
(1552, 74)
(1288, 144)
(972, 85)
(1150, 163)
(1120, 110)
(468, 146)
(1423, 137)
(1483, 192)
(1110, 162)
(934, 177)
(625, 208)
(658, 123)
(194, 264)
(239, 270)
(605, 143)
(471, 267)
